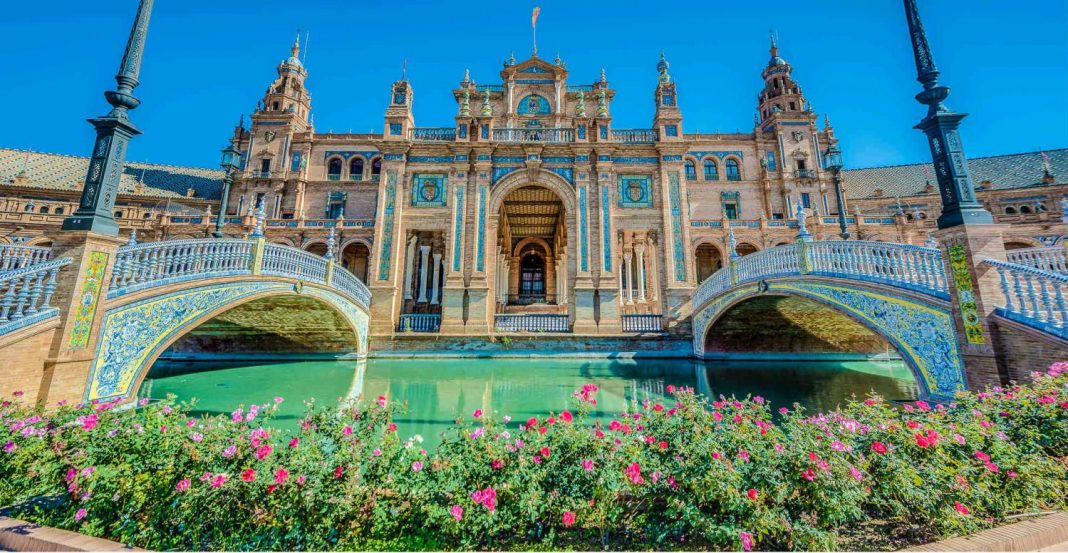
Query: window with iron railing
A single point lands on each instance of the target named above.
(733, 171)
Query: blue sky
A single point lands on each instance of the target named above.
(209, 61)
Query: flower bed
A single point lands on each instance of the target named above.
(692, 474)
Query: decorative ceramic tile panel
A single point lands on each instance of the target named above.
(676, 226)
(480, 246)
(458, 227)
(90, 296)
(962, 279)
(583, 231)
(387, 225)
(635, 191)
(428, 189)
(606, 229)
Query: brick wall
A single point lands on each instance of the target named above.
(23, 355)
(1021, 350)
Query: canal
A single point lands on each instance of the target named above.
(437, 391)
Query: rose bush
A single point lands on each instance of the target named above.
(690, 473)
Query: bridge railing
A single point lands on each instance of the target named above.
(904, 265)
(139, 266)
(1034, 297)
(26, 294)
(1050, 258)
(16, 256)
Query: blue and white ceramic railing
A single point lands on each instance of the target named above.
(26, 294)
(643, 323)
(913, 267)
(537, 322)
(434, 134)
(419, 322)
(140, 266)
(16, 256)
(1033, 297)
(634, 136)
(1050, 258)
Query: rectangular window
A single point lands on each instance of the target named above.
(485, 132)
(604, 133)
(806, 200)
(295, 166)
(801, 165)
(582, 132)
(730, 210)
(394, 129)
(265, 165)
(463, 131)
(776, 216)
(771, 160)
(259, 199)
(334, 210)
(671, 130)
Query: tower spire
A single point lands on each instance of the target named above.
(959, 204)
(774, 43)
(295, 51)
(113, 133)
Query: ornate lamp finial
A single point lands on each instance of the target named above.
(330, 243)
(257, 231)
(559, 62)
(802, 229)
(133, 238)
(931, 241)
(732, 244)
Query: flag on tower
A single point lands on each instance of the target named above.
(534, 16)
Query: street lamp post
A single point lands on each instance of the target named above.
(832, 161)
(231, 159)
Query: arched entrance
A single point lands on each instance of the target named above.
(708, 261)
(354, 257)
(532, 237)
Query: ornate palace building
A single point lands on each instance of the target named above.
(530, 211)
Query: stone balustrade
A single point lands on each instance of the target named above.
(419, 322)
(643, 323)
(1050, 258)
(285, 261)
(531, 323)
(1034, 297)
(634, 136)
(17, 256)
(534, 135)
(913, 267)
(26, 294)
(433, 134)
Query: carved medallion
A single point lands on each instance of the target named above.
(634, 191)
(269, 135)
(798, 136)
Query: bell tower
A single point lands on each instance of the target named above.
(781, 94)
(668, 119)
(399, 119)
(286, 100)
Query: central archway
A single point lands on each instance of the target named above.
(532, 221)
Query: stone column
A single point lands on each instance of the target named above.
(424, 254)
(387, 256)
(513, 277)
(550, 278)
(653, 280)
(640, 248)
(628, 271)
(409, 263)
(437, 276)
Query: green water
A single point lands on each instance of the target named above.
(439, 390)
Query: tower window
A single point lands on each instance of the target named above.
(793, 106)
(265, 165)
(274, 106)
(711, 170)
(376, 168)
(691, 171)
(733, 172)
(801, 165)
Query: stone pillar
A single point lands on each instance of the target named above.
(437, 276)
(81, 290)
(640, 248)
(513, 277)
(653, 279)
(424, 254)
(388, 254)
(628, 271)
(550, 277)
(963, 248)
(409, 264)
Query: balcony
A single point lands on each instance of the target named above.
(534, 135)
(261, 174)
(643, 323)
(634, 136)
(356, 177)
(531, 323)
(433, 134)
(333, 177)
(805, 173)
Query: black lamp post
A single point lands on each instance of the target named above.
(230, 161)
(832, 161)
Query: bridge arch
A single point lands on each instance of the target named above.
(137, 329)
(919, 327)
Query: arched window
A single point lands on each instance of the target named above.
(333, 169)
(356, 169)
(711, 170)
(376, 168)
(1024, 209)
(691, 170)
(58, 211)
(733, 172)
(44, 209)
(118, 215)
(1010, 210)
(148, 215)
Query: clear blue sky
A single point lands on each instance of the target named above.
(209, 61)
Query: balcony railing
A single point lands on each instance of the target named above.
(1033, 297)
(261, 174)
(643, 323)
(531, 299)
(419, 322)
(26, 293)
(434, 134)
(634, 136)
(534, 135)
(1052, 258)
(539, 322)
(285, 261)
(333, 176)
(150, 264)
(805, 173)
(17, 256)
(356, 177)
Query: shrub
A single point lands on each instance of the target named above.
(690, 474)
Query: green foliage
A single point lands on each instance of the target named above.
(693, 474)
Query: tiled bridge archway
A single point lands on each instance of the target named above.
(136, 329)
(919, 326)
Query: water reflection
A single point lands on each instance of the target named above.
(437, 391)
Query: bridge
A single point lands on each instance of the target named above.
(90, 331)
(902, 293)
